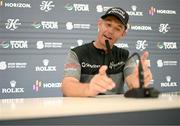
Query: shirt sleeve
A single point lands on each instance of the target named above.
(129, 67)
(72, 67)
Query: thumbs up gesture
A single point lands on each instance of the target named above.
(100, 83)
(133, 79)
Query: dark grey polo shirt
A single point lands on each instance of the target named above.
(83, 62)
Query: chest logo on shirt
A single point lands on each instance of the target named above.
(88, 65)
(118, 65)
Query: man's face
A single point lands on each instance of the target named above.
(111, 29)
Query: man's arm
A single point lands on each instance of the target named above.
(100, 83)
(72, 87)
(132, 79)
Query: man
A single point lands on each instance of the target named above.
(93, 69)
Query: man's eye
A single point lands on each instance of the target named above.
(108, 24)
(118, 29)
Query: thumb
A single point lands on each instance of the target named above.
(102, 70)
(145, 55)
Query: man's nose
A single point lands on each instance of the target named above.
(110, 30)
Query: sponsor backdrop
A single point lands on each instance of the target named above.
(35, 36)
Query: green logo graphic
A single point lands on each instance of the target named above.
(160, 45)
(69, 7)
(36, 25)
(5, 44)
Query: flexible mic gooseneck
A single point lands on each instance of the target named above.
(140, 92)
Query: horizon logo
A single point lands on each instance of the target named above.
(46, 6)
(39, 84)
(12, 24)
(139, 27)
(153, 11)
(141, 45)
(18, 5)
(164, 28)
(122, 45)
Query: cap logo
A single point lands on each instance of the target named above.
(117, 11)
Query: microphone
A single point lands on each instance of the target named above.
(140, 92)
(107, 46)
(109, 54)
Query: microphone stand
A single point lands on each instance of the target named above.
(141, 92)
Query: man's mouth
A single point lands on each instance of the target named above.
(109, 38)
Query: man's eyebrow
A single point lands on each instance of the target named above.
(120, 25)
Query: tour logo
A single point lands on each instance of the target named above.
(77, 7)
(45, 25)
(167, 45)
(14, 44)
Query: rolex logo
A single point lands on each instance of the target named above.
(13, 83)
(134, 7)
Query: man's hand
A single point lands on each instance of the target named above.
(100, 83)
(133, 79)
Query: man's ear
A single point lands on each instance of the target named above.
(124, 33)
(99, 22)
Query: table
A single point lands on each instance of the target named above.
(104, 109)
